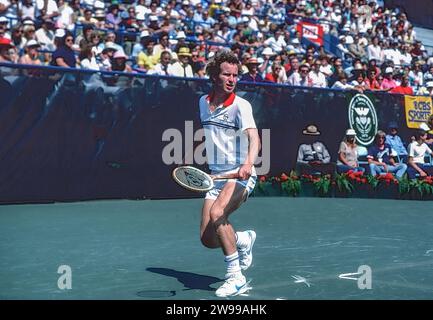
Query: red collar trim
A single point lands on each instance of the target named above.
(227, 103)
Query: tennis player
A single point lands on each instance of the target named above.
(232, 145)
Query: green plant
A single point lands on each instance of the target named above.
(373, 181)
(343, 183)
(323, 184)
(423, 186)
(405, 186)
(261, 184)
(290, 184)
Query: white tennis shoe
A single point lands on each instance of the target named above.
(235, 284)
(246, 253)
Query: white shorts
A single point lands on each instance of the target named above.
(219, 184)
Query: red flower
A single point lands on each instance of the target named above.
(284, 177)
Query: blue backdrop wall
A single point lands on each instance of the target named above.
(75, 136)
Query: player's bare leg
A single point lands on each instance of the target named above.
(216, 231)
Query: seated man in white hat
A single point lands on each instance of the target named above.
(139, 46)
(32, 55)
(182, 68)
(253, 74)
(313, 156)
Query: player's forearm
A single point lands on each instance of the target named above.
(253, 148)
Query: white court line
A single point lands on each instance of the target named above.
(347, 275)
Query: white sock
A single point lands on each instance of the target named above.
(242, 239)
(232, 262)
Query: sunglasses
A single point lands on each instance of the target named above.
(304, 71)
(69, 40)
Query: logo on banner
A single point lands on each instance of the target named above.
(418, 110)
(363, 119)
(312, 32)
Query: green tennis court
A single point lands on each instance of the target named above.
(150, 249)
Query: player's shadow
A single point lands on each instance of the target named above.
(191, 281)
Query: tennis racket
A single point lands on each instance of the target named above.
(196, 180)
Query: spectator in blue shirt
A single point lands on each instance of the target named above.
(395, 142)
(380, 157)
(64, 55)
(253, 73)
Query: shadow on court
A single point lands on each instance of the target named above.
(192, 281)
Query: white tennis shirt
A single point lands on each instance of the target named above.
(224, 129)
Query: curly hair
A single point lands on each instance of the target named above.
(213, 68)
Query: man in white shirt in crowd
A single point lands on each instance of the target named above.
(342, 83)
(182, 68)
(50, 11)
(318, 79)
(392, 53)
(405, 56)
(45, 35)
(28, 10)
(302, 78)
(342, 46)
(276, 42)
(374, 51)
(163, 67)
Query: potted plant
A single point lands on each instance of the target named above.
(290, 184)
(416, 189)
(267, 186)
(316, 185)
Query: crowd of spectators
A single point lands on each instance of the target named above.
(377, 47)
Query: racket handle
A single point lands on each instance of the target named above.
(226, 176)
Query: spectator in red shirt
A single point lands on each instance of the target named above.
(404, 88)
(370, 81)
(274, 76)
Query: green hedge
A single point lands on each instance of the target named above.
(349, 185)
